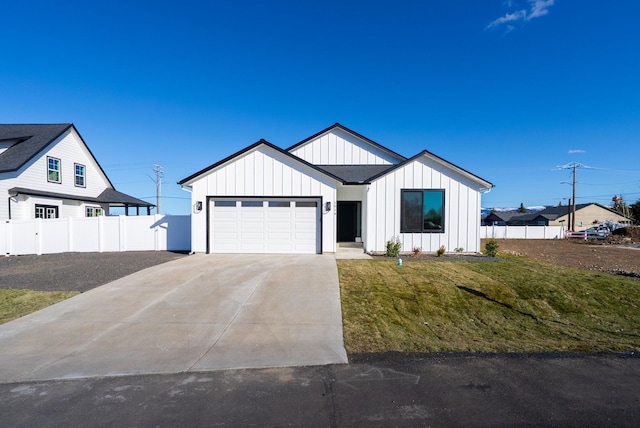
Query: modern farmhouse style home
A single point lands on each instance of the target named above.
(47, 171)
(335, 186)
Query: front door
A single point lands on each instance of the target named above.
(349, 220)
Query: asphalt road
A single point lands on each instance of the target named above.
(407, 391)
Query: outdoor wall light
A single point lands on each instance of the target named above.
(327, 206)
(197, 206)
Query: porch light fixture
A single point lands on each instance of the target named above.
(327, 206)
(197, 206)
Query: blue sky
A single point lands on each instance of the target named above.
(505, 89)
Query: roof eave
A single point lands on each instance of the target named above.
(188, 182)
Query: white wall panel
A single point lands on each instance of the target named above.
(462, 214)
(338, 147)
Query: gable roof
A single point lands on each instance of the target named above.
(349, 131)
(484, 183)
(33, 139)
(261, 142)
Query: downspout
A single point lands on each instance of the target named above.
(9, 206)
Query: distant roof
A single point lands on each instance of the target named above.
(32, 139)
(563, 210)
(355, 173)
(108, 196)
(354, 133)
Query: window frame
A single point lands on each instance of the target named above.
(76, 175)
(50, 170)
(406, 229)
(95, 211)
(46, 209)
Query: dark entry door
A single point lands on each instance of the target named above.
(348, 220)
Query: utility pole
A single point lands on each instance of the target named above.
(574, 167)
(573, 216)
(158, 180)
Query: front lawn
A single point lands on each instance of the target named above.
(513, 304)
(17, 303)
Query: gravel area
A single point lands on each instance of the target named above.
(75, 271)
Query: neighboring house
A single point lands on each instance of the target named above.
(500, 218)
(47, 171)
(335, 186)
(586, 215)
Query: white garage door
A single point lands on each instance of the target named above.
(265, 226)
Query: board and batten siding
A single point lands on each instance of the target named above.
(70, 149)
(337, 147)
(462, 209)
(266, 172)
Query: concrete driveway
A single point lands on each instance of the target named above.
(198, 313)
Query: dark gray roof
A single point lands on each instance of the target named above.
(32, 140)
(355, 173)
(108, 196)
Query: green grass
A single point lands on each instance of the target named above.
(510, 305)
(17, 303)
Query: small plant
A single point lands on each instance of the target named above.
(441, 251)
(416, 251)
(393, 247)
(491, 248)
(459, 250)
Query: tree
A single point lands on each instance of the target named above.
(620, 205)
(522, 209)
(635, 211)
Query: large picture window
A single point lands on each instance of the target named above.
(422, 211)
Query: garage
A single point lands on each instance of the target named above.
(264, 225)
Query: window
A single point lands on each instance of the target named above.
(46, 211)
(252, 204)
(53, 170)
(94, 212)
(80, 173)
(279, 204)
(224, 204)
(306, 204)
(422, 211)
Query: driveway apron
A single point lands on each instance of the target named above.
(198, 313)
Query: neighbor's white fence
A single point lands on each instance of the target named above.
(522, 232)
(96, 234)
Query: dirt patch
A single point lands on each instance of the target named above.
(598, 256)
(75, 271)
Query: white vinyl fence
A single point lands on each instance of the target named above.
(522, 232)
(96, 234)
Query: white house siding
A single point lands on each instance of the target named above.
(263, 172)
(338, 147)
(70, 149)
(462, 208)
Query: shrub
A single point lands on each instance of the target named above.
(416, 251)
(441, 251)
(459, 250)
(393, 247)
(491, 248)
